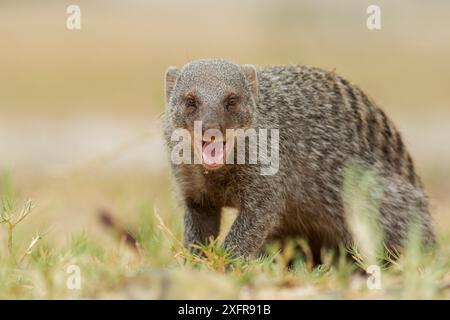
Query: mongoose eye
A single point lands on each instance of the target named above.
(231, 102)
(191, 104)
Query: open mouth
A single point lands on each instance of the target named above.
(214, 152)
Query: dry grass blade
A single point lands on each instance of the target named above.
(26, 210)
(33, 243)
(177, 247)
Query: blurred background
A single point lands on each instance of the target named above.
(80, 110)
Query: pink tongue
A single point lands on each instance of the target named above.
(212, 152)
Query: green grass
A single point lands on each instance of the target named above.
(158, 267)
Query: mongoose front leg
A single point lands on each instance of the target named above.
(201, 223)
(255, 222)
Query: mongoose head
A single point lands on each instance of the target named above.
(220, 94)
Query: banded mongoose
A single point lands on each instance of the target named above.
(324, 123)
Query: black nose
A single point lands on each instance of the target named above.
(211, 125)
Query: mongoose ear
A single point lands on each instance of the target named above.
(252, 79)
(171, 76)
